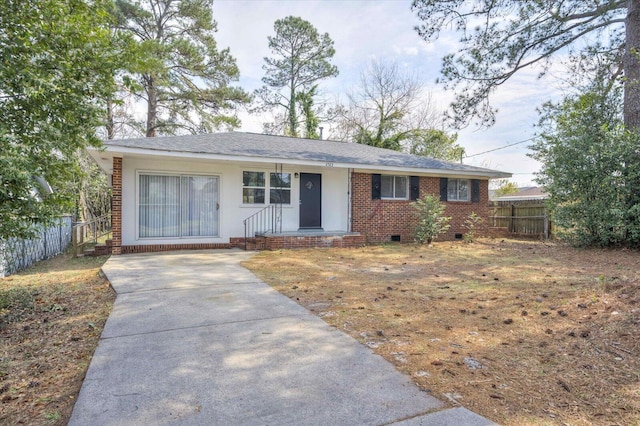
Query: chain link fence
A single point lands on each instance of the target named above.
(16, 254)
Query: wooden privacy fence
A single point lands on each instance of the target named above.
(526, 217)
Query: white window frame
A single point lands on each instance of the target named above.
(456, 196)
(268, 187)
(180, 175)
(394, 189)
(264, 188)
(275, 188)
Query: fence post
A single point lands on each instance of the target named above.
(44, 239)
(24, 254)
(2, 258)
(74, 240)
(512, 227)
(546, 226)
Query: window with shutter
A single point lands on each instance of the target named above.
(394, 187)
(456, 189)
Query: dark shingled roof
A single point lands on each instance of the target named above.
(281, 147)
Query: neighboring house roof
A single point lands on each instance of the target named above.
(268, 148)
(526, 193)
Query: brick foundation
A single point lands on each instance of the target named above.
(295, 242)
(499, 232)
(256, 243)
(379, 220)
(277, 242)
(152, 248)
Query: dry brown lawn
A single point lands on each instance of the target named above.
(520, 332)
(51, 317)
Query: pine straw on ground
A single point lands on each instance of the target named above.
(51, 317)
(520, 332)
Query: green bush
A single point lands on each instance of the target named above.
(591, 171)
(431, 219)
(470, 224)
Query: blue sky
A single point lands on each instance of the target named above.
(384, 30)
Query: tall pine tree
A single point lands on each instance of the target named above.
(186, 80)
(301, 59)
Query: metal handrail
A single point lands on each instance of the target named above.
(265, 220)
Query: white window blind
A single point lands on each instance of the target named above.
(394, 186)
(178, 206)
(458, 190)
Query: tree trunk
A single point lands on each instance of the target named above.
(293, 119)
(111, 128)
(632, 66)
(152, 106)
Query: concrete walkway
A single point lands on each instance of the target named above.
(196, 339)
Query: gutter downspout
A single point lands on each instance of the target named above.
(349, 213)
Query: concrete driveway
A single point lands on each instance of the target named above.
(196, 339)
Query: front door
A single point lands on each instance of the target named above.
(310, 200)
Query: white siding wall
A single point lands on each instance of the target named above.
(232, 211)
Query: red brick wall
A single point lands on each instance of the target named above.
(291, 242)
(378, 220)
(116, 206)
(151, 248)
(295, 242)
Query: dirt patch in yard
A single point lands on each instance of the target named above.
(520, 332)
(51, 317)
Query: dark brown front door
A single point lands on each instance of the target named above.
(310, 200)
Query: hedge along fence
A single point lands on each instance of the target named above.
(17, 254)
(524, 217)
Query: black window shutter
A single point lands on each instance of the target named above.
(444, 182)
(415, 187)
(475, 191)
(376, 186)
